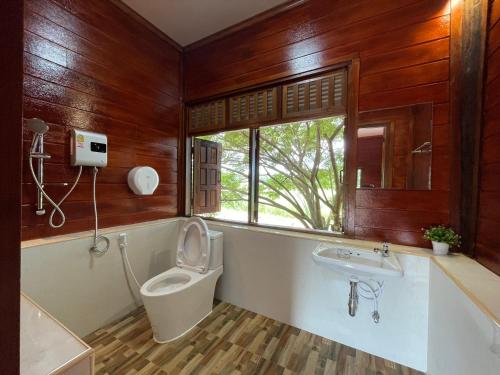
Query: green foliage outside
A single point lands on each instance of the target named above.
(300, 166)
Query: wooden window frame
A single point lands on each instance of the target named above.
(213, 123)
(271, 94)
(307, 112)
(352, 65)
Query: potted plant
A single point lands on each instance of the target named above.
(442, 238)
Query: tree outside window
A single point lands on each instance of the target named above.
(300, 169)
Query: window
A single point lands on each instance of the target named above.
(286, 167)
(300, 174)
(299, 182)
(233, 179)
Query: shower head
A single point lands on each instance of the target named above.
(37, 126)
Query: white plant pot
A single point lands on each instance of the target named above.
(440, 248)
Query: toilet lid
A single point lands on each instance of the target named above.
(193, 245)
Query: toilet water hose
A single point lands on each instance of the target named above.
(123, 248)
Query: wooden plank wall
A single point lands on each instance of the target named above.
(90, 65)
(11, 56)
(487, 239)
(404, 54)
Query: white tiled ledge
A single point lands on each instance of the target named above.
(368, 245)
(47, 347)
(90, 233)
(480, 284)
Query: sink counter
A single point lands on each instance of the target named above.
(47, 347)
(480, 284)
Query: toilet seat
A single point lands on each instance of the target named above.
(193, 246)
(167, 283)
(173, 281)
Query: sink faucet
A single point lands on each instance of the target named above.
(384, 251)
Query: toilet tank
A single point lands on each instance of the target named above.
(216, 252)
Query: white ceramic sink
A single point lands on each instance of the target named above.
(353, 261)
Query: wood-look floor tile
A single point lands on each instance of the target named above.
(230, 341)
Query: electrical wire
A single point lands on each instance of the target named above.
(97, 239)
(56, 206)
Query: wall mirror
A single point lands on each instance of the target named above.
(394, 148)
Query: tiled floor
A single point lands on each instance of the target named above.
(230, 341)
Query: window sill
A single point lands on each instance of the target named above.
(316, 236)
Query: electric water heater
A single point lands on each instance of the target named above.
(88, 149)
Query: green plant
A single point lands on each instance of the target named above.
(444, 234)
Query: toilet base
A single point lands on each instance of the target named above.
(174, 311)
(182, 334)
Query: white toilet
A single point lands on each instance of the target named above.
(178, 299)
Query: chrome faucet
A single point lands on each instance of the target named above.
(384, 251)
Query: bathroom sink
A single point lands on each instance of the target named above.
(357, 262)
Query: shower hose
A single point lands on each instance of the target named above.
(56, 206)
(96, 249)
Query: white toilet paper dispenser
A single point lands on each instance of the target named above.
(143, 180)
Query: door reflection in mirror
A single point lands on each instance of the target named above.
(394, 149)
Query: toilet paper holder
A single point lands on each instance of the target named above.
(143, 180)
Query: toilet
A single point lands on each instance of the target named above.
(181, 297)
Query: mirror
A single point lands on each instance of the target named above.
(394, 148)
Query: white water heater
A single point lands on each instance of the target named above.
(88, 149)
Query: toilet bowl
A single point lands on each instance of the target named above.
(179, 298)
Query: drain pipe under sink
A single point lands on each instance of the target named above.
(353, 296)
(366, 291)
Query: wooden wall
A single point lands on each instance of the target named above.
(404, 55)
(488, 240)
(90, 65)
(11, 56)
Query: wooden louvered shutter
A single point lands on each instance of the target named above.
(207, 175)
(207, 116)
(253, 107)
(317, 96)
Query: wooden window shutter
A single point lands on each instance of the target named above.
(325, 94)
(207, 116)
(207, 176)
(253, 107)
